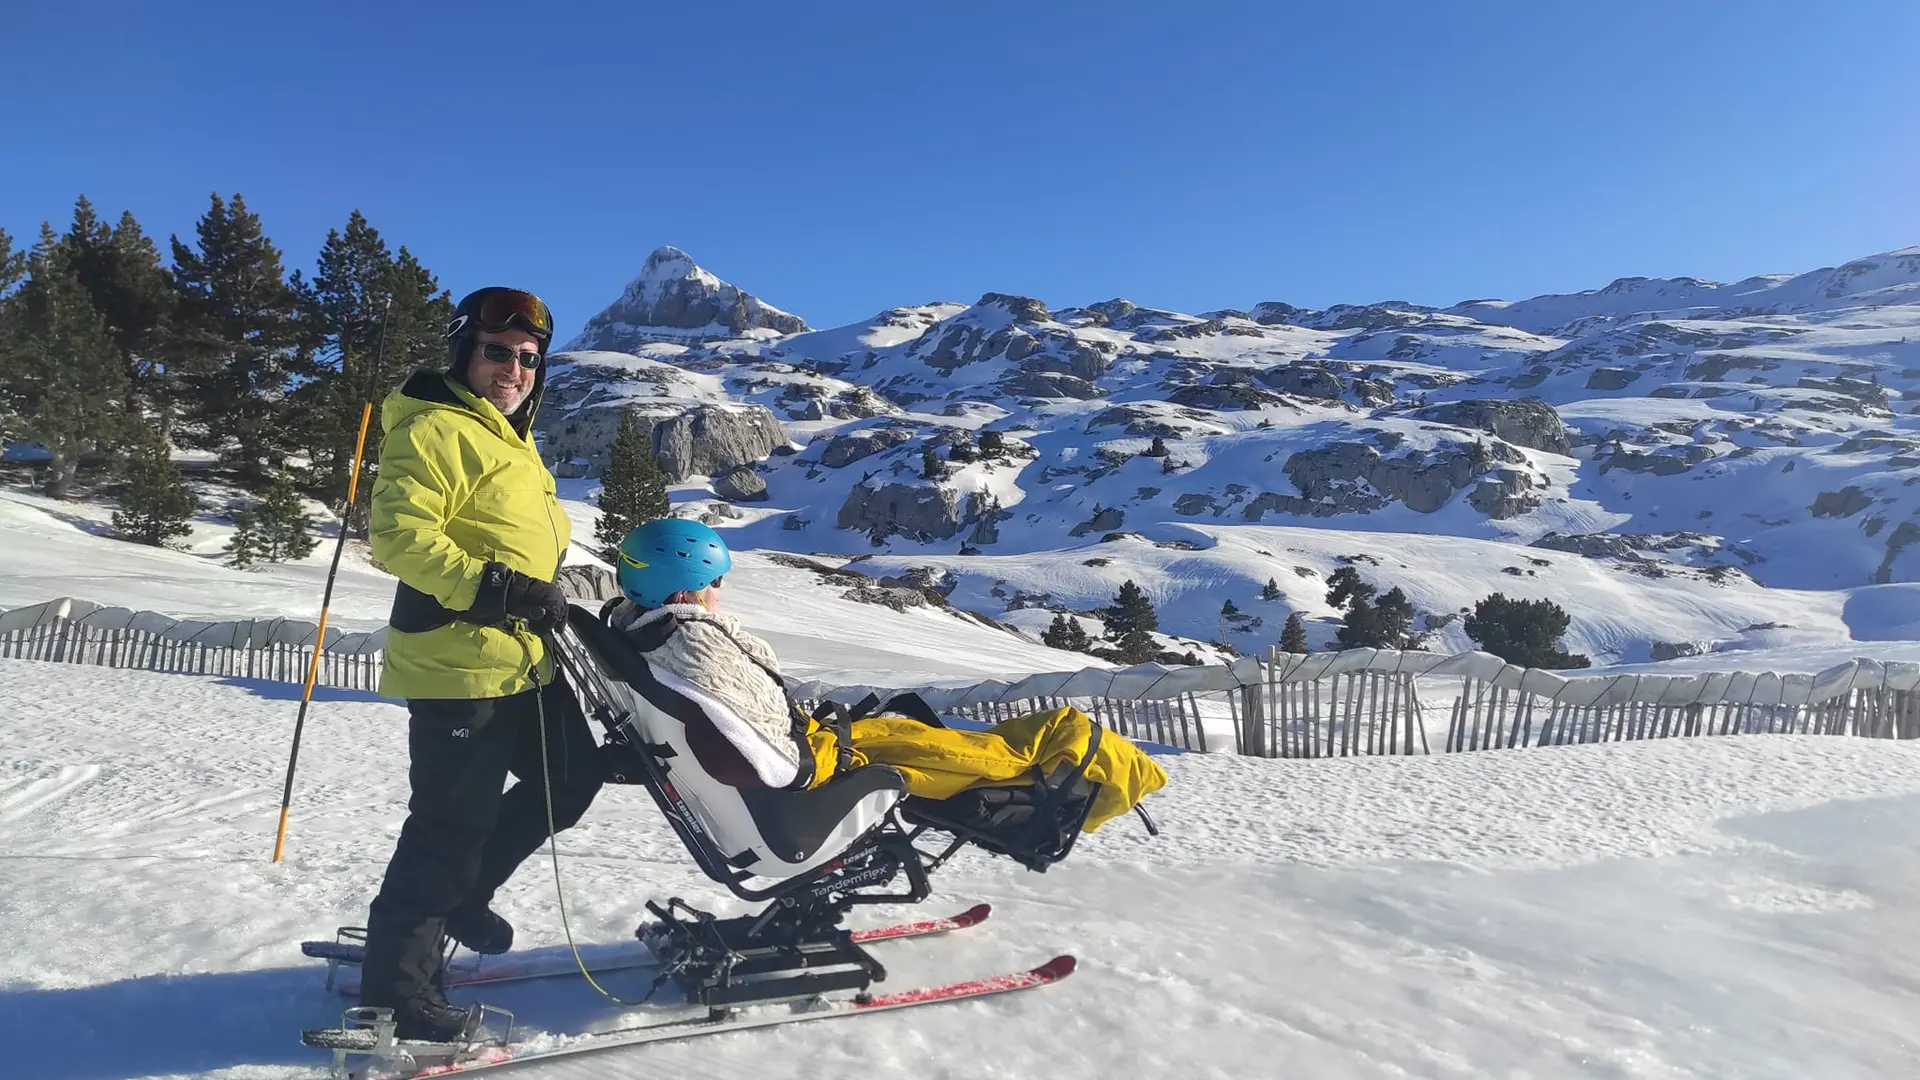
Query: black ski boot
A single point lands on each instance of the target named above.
(430, 1017)
(480, 930)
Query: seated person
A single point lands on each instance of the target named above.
(670, 573)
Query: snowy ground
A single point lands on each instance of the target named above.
(1691, 908)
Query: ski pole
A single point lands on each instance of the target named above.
(326, 599)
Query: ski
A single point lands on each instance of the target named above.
(433, 1059)
(348, 951)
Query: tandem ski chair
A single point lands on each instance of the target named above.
(811, 854)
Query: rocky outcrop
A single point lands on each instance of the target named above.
(844, 450)
(577, 443)
(708, 440)
(741, 485)
(1611, 378)
(1224, 396)
(1508, 493)
(1304, 380)
(917, 511)
(1034, 384)
(1106, 520)
(1355, 478)
(1528, 422)
(1846, 502)
(673, 299)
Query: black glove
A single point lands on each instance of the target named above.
(509, 594)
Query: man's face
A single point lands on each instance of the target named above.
(505, 384)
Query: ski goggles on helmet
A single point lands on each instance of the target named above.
(495, 309)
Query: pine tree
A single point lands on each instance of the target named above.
(121, 271)
(1229, 609)
(1523, 632)
(633, 489)
(13, 264)
(1130, 611)
(1293, 635)
(341, 309)
(962, 449)
(239, 333)
(157, 505)
(992, 444)
(276, 529)
(60, 375)
(1158, 448)
(930, 465)
(1271, 590)
(1065, 632)
(1130, 621)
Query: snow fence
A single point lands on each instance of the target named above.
(1361, 701)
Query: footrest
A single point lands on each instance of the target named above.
(362, 1039)
(338, 951)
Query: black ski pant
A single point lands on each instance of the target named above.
(463, 837)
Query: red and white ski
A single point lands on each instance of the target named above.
(525, 967)
(428, 1059)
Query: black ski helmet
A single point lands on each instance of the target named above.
(493, 309)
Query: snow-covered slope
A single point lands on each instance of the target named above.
(1751, 446)
(1693, 908)
(818, 630)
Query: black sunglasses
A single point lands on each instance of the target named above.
(502, 354)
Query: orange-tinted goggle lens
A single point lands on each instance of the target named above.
(503, 309)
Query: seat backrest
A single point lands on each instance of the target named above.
(722, 769)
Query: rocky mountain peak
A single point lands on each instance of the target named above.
(675, 299)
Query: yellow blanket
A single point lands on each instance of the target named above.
(939, 763)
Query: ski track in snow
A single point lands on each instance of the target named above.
(1688, 908)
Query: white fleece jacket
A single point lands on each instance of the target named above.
(711, 651)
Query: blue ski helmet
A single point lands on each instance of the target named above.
(670, 555)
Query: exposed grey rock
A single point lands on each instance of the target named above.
(708, 440)
(918, 511)
(1904, 534)
(1641, 462)
(1611, 378)
(1106, 520)
(1846, 502)
(844, 450)
(1667, 650)
(1224, 397)
(675, 300)
(1193, 503)
(1024, 309)
(1306, 380)
(741, 485)
(1275, 313)
(1505, 494)
(1528, 422)
(1033, 384)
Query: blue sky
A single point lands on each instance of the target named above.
(840, 158)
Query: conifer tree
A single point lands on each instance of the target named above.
(1293, 635)
(341, 309)
(238, 336)
(156, 505)
(1523, 632)
(1065, 632)
(60, 375)
(1130, 621)
(276, 529)
(13, 264)
(121, 271)
(1271, 590)
(632, 490)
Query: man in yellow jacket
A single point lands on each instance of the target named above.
(465, 515)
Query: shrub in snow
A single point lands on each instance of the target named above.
(1523, 632)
